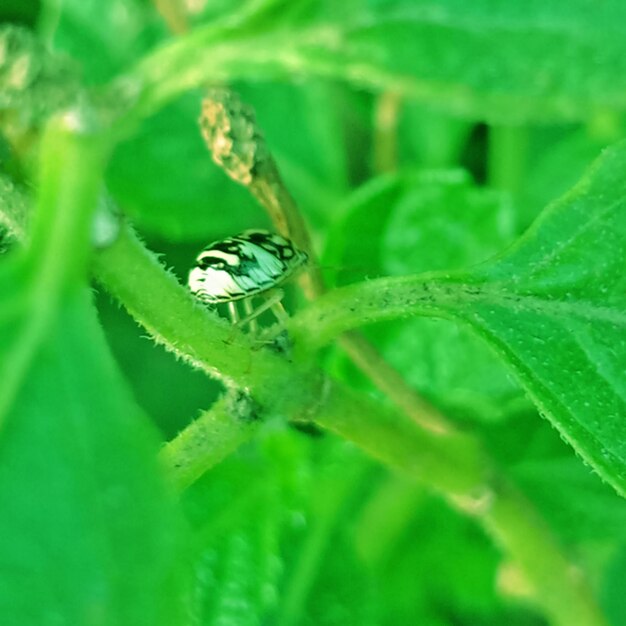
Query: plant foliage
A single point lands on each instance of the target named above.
(436, 435)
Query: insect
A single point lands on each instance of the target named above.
(243, 266)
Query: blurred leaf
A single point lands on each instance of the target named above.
(491, 61)
(430, 565)
(34, 83)
(575, 501)
(103, 37)
(164, 178)
(559, 160)
(88, 528)
(487, 59)
(301, 530)
(426, 221)
(613, 597)
(444, 222)
(278, 552)
(571, 497)
(451, 572)
(22, 11)
(554, 308)
(429, 137)
(304, 125)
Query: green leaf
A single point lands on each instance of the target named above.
(485, 60)
(165, 180)
(570, 496)
(104, 38)
(425, 221)
(277, 552)
(89, 534)
(457, 564)
(554, 307)
(304, 126)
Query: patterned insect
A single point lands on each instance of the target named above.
(243, 266)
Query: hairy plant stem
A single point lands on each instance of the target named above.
(215, 434)
(278, 387)
(261, 177)
(452, 464)
(496, 504)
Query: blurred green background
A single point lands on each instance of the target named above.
(302, 528)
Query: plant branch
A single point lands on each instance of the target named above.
(508, 153)
(386, 121)
(237, 144)
(497, 506)
(453, 464)
(212, 437)
(364, 303)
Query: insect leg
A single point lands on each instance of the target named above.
(279, 311)
(268, 304)
(251, 316)
(233, 313)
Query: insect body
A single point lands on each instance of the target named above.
(242, 266)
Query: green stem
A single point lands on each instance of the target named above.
(557, 585)
(508, 153)
(364, 303)
(386, 122)
(166, 309)
(215, 434)
(451, 463)
(72, 160)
